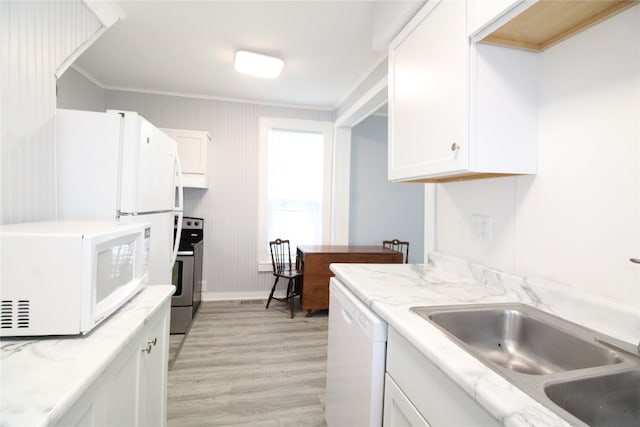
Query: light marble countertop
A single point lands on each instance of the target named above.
(40, 378)
(391, 289)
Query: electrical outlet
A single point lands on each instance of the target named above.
(481, 225)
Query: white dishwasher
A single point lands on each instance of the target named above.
(355, 361)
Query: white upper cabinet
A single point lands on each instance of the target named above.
(192, 151)
(535, 24)
(458, 110)
(427, 92)
(482, 12)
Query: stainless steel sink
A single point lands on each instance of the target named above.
(607, 400)
(586, 377)
(522, 340)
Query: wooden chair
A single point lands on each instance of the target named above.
(282, 268)
(399, 246)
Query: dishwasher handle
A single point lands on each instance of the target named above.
(354, 311)
(346, 315)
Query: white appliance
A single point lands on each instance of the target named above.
(355, 361)
(64, 278)
(117, 165)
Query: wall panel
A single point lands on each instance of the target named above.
(76, 92)
(35, 38)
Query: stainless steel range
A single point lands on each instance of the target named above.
(187, 275)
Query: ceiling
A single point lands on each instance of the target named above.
(187, 48)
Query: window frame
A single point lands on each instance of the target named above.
(294, 125)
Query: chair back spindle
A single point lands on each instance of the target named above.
(400, 246)
(280, 255)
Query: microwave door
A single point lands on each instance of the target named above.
(161, 244)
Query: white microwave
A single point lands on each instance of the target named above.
(65, 277)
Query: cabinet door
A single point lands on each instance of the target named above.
(398, 410)
(192, 149)
(121, 390)
(481, 13)
(89, 410)
(154, 357)
(428, 89)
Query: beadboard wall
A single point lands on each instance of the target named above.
(35, 38)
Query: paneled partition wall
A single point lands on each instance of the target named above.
(35, 39)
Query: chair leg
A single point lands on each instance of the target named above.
(290, 289)
(273, 288)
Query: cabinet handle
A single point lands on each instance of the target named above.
(150, 345)
(635, 260)
(455, 147)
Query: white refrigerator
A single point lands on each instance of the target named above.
(118, 166)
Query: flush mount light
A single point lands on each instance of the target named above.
(259, 65)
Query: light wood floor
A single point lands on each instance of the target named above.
(242, 365)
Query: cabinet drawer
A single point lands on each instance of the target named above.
(398, 410)
(438, 399)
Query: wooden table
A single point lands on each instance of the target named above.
(315, 260)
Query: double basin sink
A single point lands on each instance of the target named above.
(586, 377)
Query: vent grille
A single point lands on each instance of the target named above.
(14, 314)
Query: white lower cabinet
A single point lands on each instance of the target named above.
(154, 359)
(88, 411)
(132, 391)
(121, 390)
(398, 410)
(417, 393)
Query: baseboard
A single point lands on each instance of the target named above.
(232, 296)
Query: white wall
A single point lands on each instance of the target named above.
(35, 39)
(379, 209)
(77, 92)
(578, 220)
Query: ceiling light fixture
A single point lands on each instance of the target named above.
(259, 65)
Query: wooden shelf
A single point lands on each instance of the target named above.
(467, 176)
(549, 22)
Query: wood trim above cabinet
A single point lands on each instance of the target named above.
(548, 22)
(468, 176)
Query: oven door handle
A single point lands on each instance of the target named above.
(185, 253)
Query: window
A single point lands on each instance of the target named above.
(294, 184)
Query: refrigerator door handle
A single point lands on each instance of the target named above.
(176, 244)
(178, 166)
(178, 210)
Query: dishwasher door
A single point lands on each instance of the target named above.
(355, 361)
